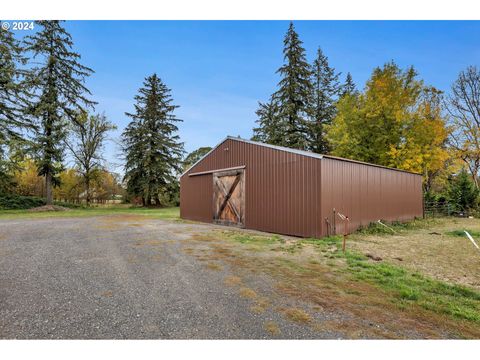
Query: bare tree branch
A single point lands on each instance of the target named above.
(89, 134)
(464, 110)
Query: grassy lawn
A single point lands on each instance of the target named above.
(400, 297)
(408, 287)
(158, 213)
(403, 285)
(437, 248)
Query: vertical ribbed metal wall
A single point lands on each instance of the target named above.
(282, 189)
(367, 193)
(290, 193)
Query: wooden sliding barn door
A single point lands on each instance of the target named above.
(229, 197)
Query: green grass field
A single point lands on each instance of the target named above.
(404, 286)
(158, 213)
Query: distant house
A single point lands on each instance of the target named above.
(100, 197)
(287, 191)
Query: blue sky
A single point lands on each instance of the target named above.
(219, 70)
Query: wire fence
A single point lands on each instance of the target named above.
(432, 209)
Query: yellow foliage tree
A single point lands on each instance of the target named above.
(424, 135)
(106, 186)
(70, 186)
(28, 183)
(397, 121)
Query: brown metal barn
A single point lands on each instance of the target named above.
(286, 191)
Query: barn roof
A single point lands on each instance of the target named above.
(293, 151)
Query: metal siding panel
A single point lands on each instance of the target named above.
(366, 193)
(292, 194)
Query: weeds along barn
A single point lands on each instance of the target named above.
(287, 191)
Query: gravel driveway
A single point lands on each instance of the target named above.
(119, 277)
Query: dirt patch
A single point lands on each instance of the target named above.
(148, 242)
(444, 257)
(126, 218)
(257, 309)
(260, 306)
(232, 280)
(107, 293)
(297, 315)
(157, 257)
(118, 221)
(214, 266)
(272, 328)
(353, 331)
(188, 251)
(247, 293)
(263, 302)
(48, 208)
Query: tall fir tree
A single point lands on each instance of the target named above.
(61, 93)
(326, 90)
(133, 145)
(348, 87)
(152, 147)
(462, 192)
(13, 92)
(14, 99)
(284, 121)
(269, 129)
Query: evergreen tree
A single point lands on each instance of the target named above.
(14, 99)
(133, 139)
(284, 120)
(295, 90)
(326, 88)
(151, 145)
(13, 94)
(60, 94)
(7, 168)
(462, 192)
(269, 128)
(349, 87)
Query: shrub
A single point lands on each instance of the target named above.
(462, 192)
(19, 202)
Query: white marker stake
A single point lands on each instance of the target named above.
(388, 227)
(471, 239)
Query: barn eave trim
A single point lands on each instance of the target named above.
(217, 170)
(295, 151)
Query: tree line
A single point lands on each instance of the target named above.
(397, 120)
(46, 111)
